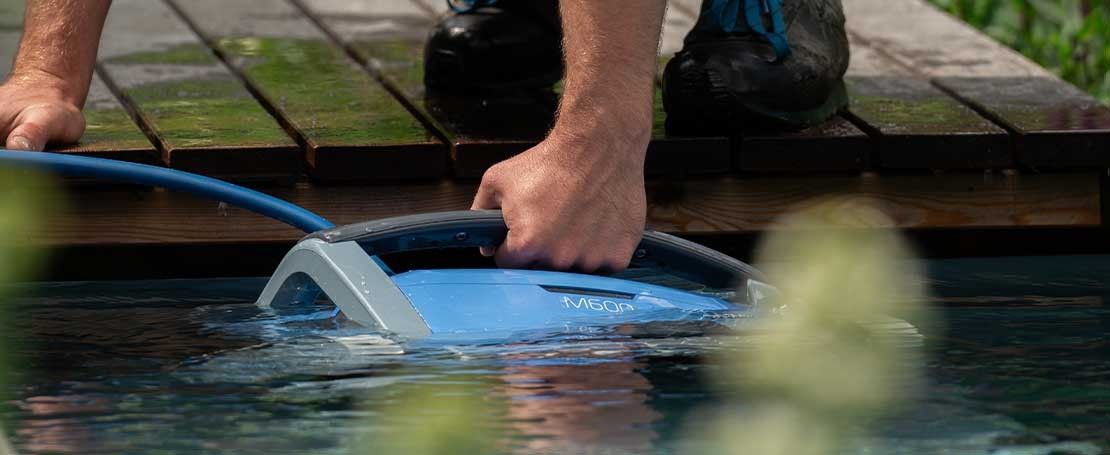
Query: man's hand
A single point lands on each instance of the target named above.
(576, 200)
(34, 111)
(569, 204)
(41, 100)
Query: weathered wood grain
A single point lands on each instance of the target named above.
(1057, 125)
(11, 28)
(351, 127)
(203, 117)
(677, 22)
(109, 132)
(709, 205)
(689, 8)
(671, 155)
(388, 36)
(917, 125)
(834, 146)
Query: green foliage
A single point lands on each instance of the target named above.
(832, 358)
(462, 416)
(1071, 37)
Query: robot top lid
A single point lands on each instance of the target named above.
(342, 263)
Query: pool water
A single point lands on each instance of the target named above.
(1019, 365)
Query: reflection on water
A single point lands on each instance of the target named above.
(188, 366)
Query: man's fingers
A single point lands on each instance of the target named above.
(486, 198)
(41, 125)
(27, 136)
(514, 254)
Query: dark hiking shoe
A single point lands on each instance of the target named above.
(495, 46)
(750, 64)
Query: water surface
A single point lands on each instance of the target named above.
(1021, 366)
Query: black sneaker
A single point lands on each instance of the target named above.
(758, 64)
(495, 46)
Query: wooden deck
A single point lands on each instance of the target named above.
(969, 146)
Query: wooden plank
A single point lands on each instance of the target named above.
(388, 36)
(834, 146)
(109, 132)
(351, 126)
(676, 24)
(1057, 125)
(204, 119)
(671, 155)
(11, 28)
(917, 125)
(258, 259)
(707, 205)
(690, 8)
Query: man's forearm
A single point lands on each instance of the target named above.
(611, 49)
(59, 43)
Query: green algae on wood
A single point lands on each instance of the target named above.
(389, 38)
(181, 54)
(202, 116)
(109, 130)
(1053, 124)
(351, 126)
(326, 98)
(212, 111)
(835, 145)
(917, 125)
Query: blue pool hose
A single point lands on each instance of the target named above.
(142, 174)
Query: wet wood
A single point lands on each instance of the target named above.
(109, 132)
(677, 156)
(918, 126)
(11, 28)
(388, 36)
(834, 146)
(708, 205)
(259, 259)
(677, 22)
(350, 125)
(202, 116)
(1056, 124)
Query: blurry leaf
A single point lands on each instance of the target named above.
(434, 419)
(836, 355)
(26, 200)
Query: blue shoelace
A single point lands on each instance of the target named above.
(466, 6)
(727, 12)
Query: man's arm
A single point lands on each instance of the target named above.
(576, 200)
(41, 100)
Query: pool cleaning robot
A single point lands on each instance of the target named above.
(345, 265)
